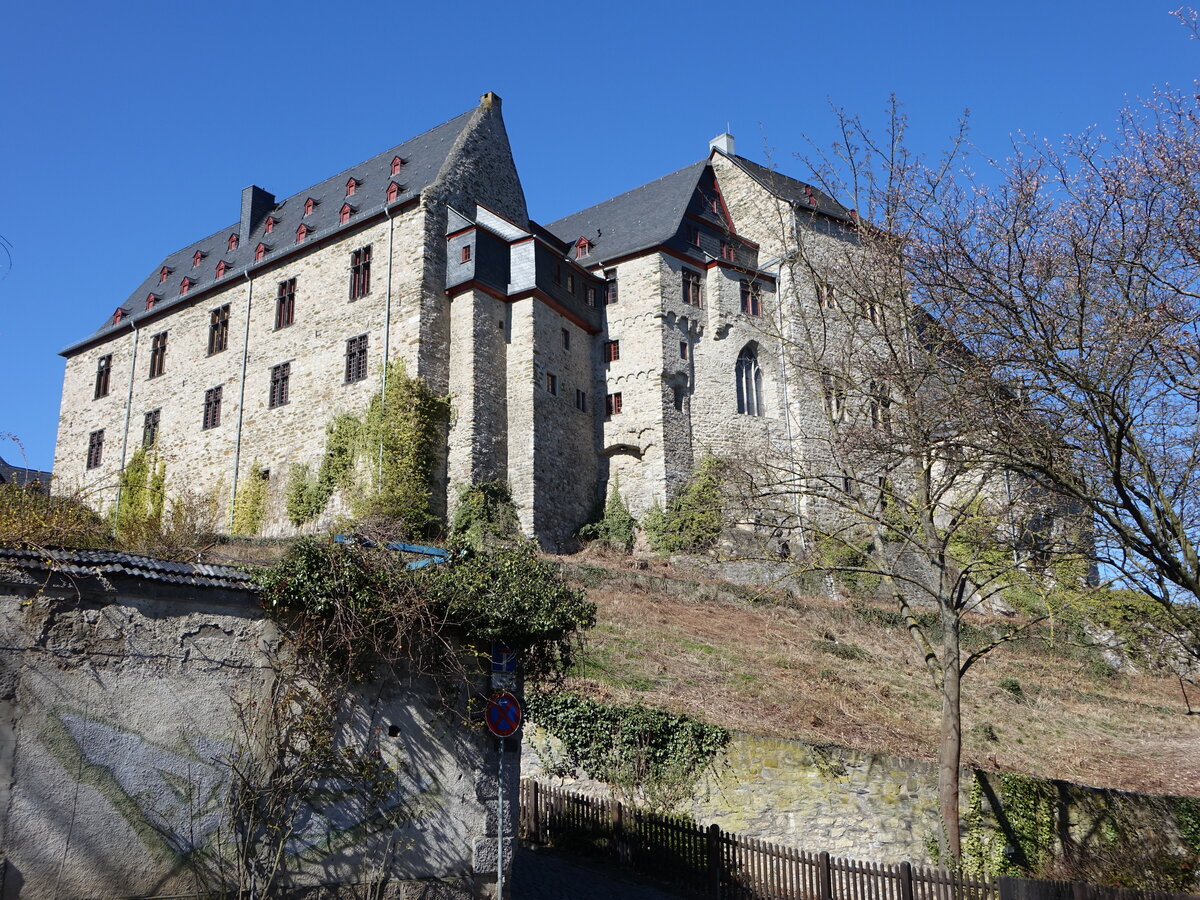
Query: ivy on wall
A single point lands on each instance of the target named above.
(485, 517)
(250, 505)
(692, 520)
(140, 499)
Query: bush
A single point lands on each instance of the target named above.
(617, 528)
(692, 521)
(31, 517)
(485, 517)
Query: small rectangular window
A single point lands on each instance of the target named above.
(571, 283)
(825, 295)
(869, 310)
(552, 383)
(558, 273)
(580, 400)
(218, 330)
(612, 351)
(678, 391)
(212, 408)
(691, 288)
(158, 354)
(683, 349)
(285, 304)
(103, 371)
(150, 428)
(612, 404)
(610, 287)
(693, 235)
(280, 375)
(566, 339)
(727, 252)
(590, 294)
(95, 454)
(751, 299)
(466, 253)
(356, 359)
(360, 272)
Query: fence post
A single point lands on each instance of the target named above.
(618, 831)
(906, 881)
(714, 861)
(535, 820)
(825, 874)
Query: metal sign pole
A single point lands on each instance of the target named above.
(500, 824)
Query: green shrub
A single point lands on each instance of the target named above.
(485, 517)
(251, 503)
(692, 521)
(617, 528)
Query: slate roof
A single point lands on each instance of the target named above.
(21, 475)
(423, 158)
(93, 563)
(636, 220)
(792, 190)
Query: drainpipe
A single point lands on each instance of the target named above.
(128, 409)
(237, 443)
(387, 332)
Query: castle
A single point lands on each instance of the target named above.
(624, 341)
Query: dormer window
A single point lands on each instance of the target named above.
(197, 257)
(185, 286)
(344, 215)
(118, 315)
(582, 247)
(151, 299)
(222, 268)
(271, 222)
(351, 187)
(393, 192)
(162, 274)
(233, 242)
(302, 233)
(259, 252)
(309, 205)
(397, 162)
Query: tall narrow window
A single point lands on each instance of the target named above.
(825, 295)
(151, 299)
(222, 268)
(869, 310)
(571, 283)
(751, 298)
(162, 274)
(285, 304)
(582, 248)
(612, 351)
(678, 397)
(727, 252)
(683, 349)
(150, 428)
(693, 235)
(95, 453)
(259, 252)
(835, 396)
(590, 294)
(691, 288)
(580, 400)
(612, 404)
(610, 287)
(218, 329)
(566, 339)
(158, 354)
(103, 372)
(360, 272)
(233, 241)
(212, 408)
(465, 255)
(552, 383)
(749, 382)
(356, 358)
(197, 258)
(280, 375)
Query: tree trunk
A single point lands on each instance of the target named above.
(950, 750)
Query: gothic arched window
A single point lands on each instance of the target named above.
(749, 382)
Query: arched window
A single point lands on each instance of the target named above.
(749, 382)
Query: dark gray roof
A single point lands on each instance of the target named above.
(423, 158)
(636, 220)
(93, 563)
(793, 191)
(21, 475)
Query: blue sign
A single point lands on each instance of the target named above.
(504, 661)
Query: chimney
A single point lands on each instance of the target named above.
(490, 101)
(722, 142)
(256, 203)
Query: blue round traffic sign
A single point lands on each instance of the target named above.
(503, 715)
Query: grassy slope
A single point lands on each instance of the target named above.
(838, 672)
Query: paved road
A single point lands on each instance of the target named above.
(542, 875)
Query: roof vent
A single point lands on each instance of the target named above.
(722, 142)
(256, 203)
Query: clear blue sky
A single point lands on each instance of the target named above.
(129, 129)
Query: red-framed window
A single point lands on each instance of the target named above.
(612, 404)
(465, 256)
(151, 299)
(397, 162)
(222, 268)
(309, 205)
(751, 299)
(351, 187)
(693, 235)
(582, 247)
(259, 252)
(360, 272)
(162, 274)
(185, 285)
(344, 214)
(285, 304)
(612, 351)
(610, 287)
(301, 233)
(197, 258)
(393, 192)
(233, 242)
(727, 251)
(270, 224)
(692, 294)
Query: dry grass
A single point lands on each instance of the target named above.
(828, 671)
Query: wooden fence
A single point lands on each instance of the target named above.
(712, 863)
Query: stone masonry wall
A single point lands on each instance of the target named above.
(119, 713)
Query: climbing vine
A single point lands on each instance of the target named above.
(647, 755)
(251, 502)
(382, 462)
(485, 517)
(140, 499)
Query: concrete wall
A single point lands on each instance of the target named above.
(118, 715)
